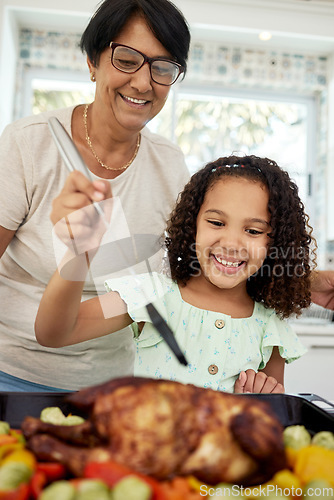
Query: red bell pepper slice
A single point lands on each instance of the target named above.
(45, 473)
(20, 493)
(37, 483)
(52, 470)
(111, 472)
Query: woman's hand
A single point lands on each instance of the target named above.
(78, 192)
(249, 381)
(322, 288)
(77, 223)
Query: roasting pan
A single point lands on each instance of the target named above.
(290, 409)
(300, 409)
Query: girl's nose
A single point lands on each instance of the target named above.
(233, 245)
(141, 80)
(231, 239)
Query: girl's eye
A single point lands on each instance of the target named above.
(216, 223)
(254, 232)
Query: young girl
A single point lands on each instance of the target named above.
(239, 256)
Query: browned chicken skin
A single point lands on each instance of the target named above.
(163, 428)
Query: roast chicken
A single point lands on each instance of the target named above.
(163, 428)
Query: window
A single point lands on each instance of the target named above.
(51, 89)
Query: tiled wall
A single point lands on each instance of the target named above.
(212, 63)
(209, 62)
(48, 49)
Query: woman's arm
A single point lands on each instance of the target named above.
(6, 236)
(62, 318)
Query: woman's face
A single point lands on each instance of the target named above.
(130, 100)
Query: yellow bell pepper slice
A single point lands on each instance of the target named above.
(22, 456)
(287, 481)
(9, 448)
(291, 456)
(315, 462)
(194, 483)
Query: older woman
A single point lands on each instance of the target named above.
(136, 49)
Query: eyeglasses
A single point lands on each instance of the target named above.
(129, 60)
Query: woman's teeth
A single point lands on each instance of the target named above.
(136, 101)
(228, 263)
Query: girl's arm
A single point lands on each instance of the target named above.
(275, 366)
(62, 319)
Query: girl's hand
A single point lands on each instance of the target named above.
(252, 382)
(75, 218)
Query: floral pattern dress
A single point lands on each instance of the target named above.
(216, 346)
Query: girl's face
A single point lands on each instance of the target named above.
(232, 227)
(130, 100)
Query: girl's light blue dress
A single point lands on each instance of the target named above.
(216, 346)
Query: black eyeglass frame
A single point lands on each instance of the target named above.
(149, 60)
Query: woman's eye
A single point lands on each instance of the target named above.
(126, 63)
(216, 223)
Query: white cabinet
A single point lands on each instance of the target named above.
(313, 372)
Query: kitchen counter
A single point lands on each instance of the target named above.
(313, 372)
(312, 327)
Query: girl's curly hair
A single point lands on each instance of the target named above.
(283, 281)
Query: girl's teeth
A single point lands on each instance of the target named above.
(227, 263)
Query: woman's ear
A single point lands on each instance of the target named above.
(91, 66)
(92, 69)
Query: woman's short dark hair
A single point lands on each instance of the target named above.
(283, 281)
(165, 20)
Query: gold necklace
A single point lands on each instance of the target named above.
(89, 142)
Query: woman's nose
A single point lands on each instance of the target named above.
(141, 80)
